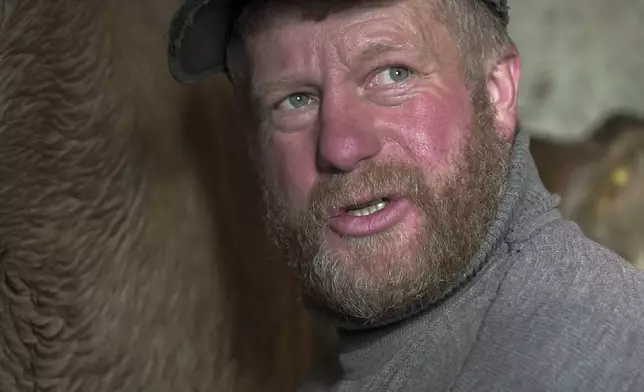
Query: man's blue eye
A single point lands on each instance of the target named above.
(398, 74)
(298, 100)
(392, 75)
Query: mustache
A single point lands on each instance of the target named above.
(386, 181)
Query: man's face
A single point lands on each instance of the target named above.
(381, 168)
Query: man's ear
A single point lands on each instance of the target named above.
(503, 89)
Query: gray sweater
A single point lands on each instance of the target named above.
(545, 309)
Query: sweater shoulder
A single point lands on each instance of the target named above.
(561, 263)
(571, 311)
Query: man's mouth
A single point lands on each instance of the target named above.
(369, 208)
(363, 218)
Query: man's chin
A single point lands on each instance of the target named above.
(362, 292)
(363, 278)
(373, 257)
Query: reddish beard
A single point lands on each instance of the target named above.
(380, 277)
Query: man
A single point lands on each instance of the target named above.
(406, 203)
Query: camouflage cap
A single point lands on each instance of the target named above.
(200, 31)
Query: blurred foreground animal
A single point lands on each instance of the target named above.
(601, 182)
(131, 251)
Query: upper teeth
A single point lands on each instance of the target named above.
(368, 210)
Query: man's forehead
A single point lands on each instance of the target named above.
(405, 12)
(396, 24)
(291, 45)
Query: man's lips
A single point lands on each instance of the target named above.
(362, 202)
(346, 225)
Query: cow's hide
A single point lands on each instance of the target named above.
(601, 183)
(131, 249)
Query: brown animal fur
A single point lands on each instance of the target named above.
(609, 209)
(131, 255)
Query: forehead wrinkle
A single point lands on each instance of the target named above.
(282, 68)
(379, 49)
(368, 39)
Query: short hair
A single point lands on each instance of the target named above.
(481, 36)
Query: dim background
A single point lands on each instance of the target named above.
(583, 60)
(582, 98)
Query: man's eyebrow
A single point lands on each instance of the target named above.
(378, 49)
(261, 91)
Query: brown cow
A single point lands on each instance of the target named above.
(131, 251)
(601, 181)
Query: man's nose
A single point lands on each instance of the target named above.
(345, 136)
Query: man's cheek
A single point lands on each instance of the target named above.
(431, 134)
(295, 175)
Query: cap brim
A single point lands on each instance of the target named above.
(198, 35)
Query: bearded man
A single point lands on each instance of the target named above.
(406, 201)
